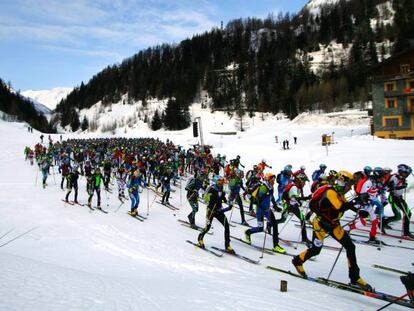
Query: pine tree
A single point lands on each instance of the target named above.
(85, 124)
(156, 122)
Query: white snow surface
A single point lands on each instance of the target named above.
(49, 98)
(314, 6)
(80, 260)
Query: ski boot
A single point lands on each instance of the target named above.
(362, 284)
(298, 264)
(373, 240)
(247, 238)
(408, 281)
(279, 249)
(200, 241)
(230, 250)
(134, 212)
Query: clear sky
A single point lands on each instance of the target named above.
(51, 43)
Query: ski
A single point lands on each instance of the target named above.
(383, 244)
(346, 287)
(173, 208)
(390, 269)
(68, 202)
(266, 250)
(290, 243)
(402, 237)
(374, 294)
(237, 255)
(205, 249)
(101, 210)
(136, 217)
(188, 225)
(239, 223)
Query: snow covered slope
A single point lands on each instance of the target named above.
(49, 98)
(74, 259)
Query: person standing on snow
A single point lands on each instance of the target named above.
(215, 210)
(397, 186)
(264, 198)
(329, 204)
(192, 188)
(135, 181)
(94, 185)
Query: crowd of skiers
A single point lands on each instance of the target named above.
(222, 185)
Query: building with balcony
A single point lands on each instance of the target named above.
(393, 96)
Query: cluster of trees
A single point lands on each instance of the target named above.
(253, 64)
(175, 117)
(21, 108)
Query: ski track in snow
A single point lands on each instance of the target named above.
(82, 260)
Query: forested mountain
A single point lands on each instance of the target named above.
(21, 108)
(260, 65)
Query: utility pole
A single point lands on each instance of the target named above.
(198, 119)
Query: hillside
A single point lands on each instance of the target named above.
(14, 106)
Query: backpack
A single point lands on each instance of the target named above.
(207, 195)
(286, 190)
(279, 178)
(255, 192)
(324, 213)
(190, 185)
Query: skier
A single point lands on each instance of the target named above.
(265, 197)
(135, 181)
(166, 185)
(329, 204)
(44, 165)
(397, 186)
(94, 185)
(121, 176)
(367, 191)
(291, 202)
(107, 168)
(283, 178)
(300, 179)
(235, 184)
(72, 182)
(192, 188)
(215, 210)
(319, 173)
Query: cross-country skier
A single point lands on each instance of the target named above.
(329, 204)
(192, 188)
(265, 197)
(94, 185)
(134, 183)
(215, 210)
(397, 186)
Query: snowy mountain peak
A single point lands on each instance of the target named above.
(313, 6)
(49, 98)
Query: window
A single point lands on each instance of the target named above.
(405, 68)
(390, 86)
(391, 103)
(392, 121)
(410, 84)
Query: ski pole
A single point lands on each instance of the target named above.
(264, 243)
(147, 201)
(290, 217)
(181, 193)
(395, 300)
(336, 260)
(37, 173)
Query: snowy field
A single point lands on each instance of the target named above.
(74, 259)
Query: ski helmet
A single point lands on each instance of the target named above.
(322, 166)
(367, 170)
(378, 172)
(404, 168)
